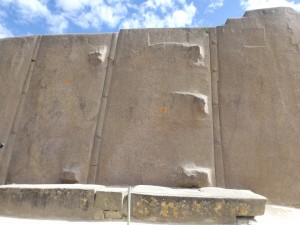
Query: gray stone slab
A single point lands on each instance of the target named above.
(159, 114)
(58, 122)
(61, 202)
(203, 206)
(15, 55)
(259, 87)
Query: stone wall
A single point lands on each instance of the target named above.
(185, 107)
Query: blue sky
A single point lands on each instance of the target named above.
(29, 17)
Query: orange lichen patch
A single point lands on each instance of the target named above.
(162, 109)
(243, 210)
(197, 207)
(218, 207)
(234, 210)
(70, 82)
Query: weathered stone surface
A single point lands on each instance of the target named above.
(15, 59)
(225, 99)
(158, 115)
(203, 206)
(110, 199)
(259, 85)
(98, 214)
(50, 201)
(58, 122)
(113, 215)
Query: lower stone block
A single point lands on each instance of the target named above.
(47, 201)
(110, 199)
(205, 205)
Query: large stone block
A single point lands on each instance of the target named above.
(159, 114)
(47, 201)
(15, 59)
(259, 85)
(58, 121)
(203, 206)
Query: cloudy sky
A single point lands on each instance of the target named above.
(28, 17)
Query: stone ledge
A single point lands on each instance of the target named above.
(46, 202)
(62, 201)
(206, 205)
(148, 203)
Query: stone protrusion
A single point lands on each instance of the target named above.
(70, 176)
(98, 56)
(197, 97)
(194, 177)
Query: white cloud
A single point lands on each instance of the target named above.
(213, 5)
(182, 17)
(74, 5)
(58, 24)
(59, 15)
(163, 5)
(4, 32)
(159, 13)
(35, 11)
(93, 14)
(32, 8)
(258, 4)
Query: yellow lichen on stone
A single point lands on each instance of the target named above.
(153, 201)
(83, 202)
(218, 208)
(164, 212)
(196, 207)
(143, 211)
(144, 201)
(243, 210)
(234, 210)
(184, 209)
(146, 211)
(171, 205)
(175, 211)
